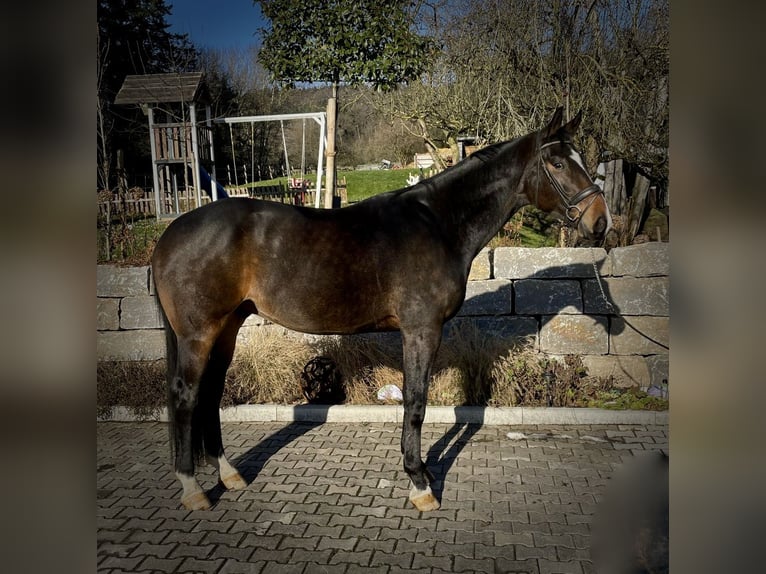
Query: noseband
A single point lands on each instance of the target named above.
(572, 212)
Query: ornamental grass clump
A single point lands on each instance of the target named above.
(471, 369)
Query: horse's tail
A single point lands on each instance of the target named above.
(171, 354)
(171, 359)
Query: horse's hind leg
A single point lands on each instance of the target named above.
(209, 403)
(420, 348)
(183, 395)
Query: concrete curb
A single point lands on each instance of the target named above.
(394, 414)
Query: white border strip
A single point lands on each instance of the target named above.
(434, 414)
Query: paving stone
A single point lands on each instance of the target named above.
(463, 564)
(200, 552)
(359, 558)
(283, 568)
(387, 559)
(158, 550)
(525, 552)
(386, 546)
(556, 567)
(510, 566)
(444, 562)
(129, 564)
(510, 538)
(233, 552)
(337, 543)
(356, 569)
(302, 555)
(154, 564)
(237, 567)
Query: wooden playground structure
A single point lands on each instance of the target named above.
(183, 154)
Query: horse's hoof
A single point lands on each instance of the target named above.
(196, 501)
(233, 481)
(424, 500)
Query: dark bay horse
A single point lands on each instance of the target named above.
(398, 260)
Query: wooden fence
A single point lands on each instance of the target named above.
(142, 206)
(146, 206)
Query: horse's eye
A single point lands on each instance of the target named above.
(558, 165)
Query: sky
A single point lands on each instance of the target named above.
(216, 23)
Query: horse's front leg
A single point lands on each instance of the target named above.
(420, 348)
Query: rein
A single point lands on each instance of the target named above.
(571, 210)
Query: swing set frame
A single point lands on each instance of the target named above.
(319, 117)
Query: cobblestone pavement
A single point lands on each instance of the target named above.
(332, 497)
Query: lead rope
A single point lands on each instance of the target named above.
(609, 305)
(611, 309)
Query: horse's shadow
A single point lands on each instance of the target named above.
(445, 451)
(251, 463)
(442, 454)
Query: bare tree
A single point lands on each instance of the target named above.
(103, 120)
(505, 64)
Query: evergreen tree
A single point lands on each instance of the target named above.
(133, 38)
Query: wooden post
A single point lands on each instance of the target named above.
(195, 154)
(155, 175)
(320, 155)
(211, 152)
(637, 204)
(332, 108)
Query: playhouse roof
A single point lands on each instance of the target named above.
(184, 87)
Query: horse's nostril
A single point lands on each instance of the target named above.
(600, 227)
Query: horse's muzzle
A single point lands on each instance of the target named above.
(597, 231)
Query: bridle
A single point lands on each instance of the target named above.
(572, 212)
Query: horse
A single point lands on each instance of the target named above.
(395, 261)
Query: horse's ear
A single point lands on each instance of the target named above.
(554, 124)
(574, 123)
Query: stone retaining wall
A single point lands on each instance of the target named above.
(548, 294)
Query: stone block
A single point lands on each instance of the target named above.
(639, 336)
(574, 334)
(114, 281)
(107, 314)
(136, 345)
(481, 268)
(659, 369)
(627, 371)
(141, 312)
(644, 260)
(548, 262)
(490, 297)
(547, 297)
(629, 295)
